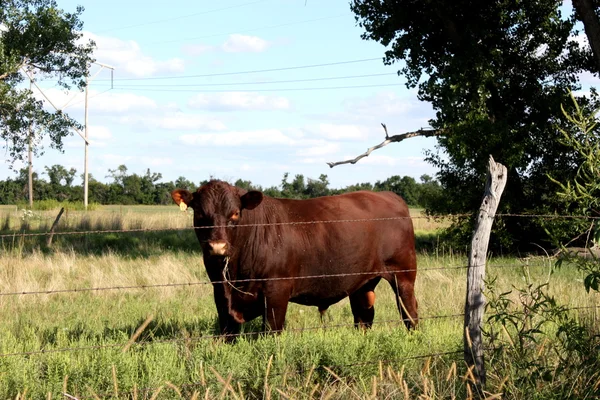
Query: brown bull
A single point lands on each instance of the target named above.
(266, 255)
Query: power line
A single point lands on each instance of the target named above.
(259, 90)
(250, 30)
(181, 16)
(330, 78)
(250, 71)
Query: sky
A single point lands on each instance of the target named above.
(238, 89)
(233, 89)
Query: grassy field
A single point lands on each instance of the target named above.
(76, 342)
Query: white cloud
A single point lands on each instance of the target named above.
(238, 101)
(341, 132)
(182, 121)
(157, 161)
(266, 137)
(319, 150)
(235, 43)
(173, 121)
(128, 59)
(381, 104)
(113, 160)
(197, 49)
(99, 135)
(113, 103)
(98, 102)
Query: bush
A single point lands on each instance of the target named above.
(51, 204)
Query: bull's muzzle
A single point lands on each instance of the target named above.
(217, 248)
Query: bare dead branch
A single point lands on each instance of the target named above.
(425, 132)
(386, 132)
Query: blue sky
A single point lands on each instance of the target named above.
(231, 123)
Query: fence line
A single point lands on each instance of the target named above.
(220, 336)
(101, 231)
(228, 281)
(244, 334)
(134, 230)
(250, 280)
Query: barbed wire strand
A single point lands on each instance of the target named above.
(226, 281)
(250, 280)
(243, 334)
(290, 223)
(218, 336)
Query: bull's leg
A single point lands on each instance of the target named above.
(362, 303)
(275, 308)
(228, 326)
(403, 285)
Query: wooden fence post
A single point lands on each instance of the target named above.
(475, 303)
(60, 213)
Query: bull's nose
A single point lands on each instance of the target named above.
(217, 248)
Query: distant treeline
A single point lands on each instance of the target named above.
(130, 188)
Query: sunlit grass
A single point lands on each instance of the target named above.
(176, 351)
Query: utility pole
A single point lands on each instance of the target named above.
(30, 157)
(85, 134)
(87, 143)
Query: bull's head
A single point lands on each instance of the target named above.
(218, 206)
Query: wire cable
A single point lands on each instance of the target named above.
(329, 78)
(256, 71)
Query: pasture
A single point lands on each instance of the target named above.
(77, 342)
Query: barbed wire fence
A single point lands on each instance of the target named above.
(473, 315)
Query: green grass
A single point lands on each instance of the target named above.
(177, 348)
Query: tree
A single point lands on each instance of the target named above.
(406, 187)
(317, 188)
(37, 36)
(496, 73)
(582, 193)
(57, 174)
(587, 12)
(183, 183)
(294, 190)
(430, 192)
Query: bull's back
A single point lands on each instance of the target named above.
(371, 228)
(355, 205)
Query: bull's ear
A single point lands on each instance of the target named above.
(182, 196)
(251, 199)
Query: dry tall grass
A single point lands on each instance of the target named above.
(189, 311)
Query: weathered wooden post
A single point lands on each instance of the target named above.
(60, 213)
(474, 306)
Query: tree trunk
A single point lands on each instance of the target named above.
(585, 11)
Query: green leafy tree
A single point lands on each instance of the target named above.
(61, 180)
(295, 189)
(406, 187)
(183, 183)
(496, 74)
(37, 36)
(430, 192)
(317, 187)
(581, 194)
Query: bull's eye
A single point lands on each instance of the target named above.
(235, 216)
